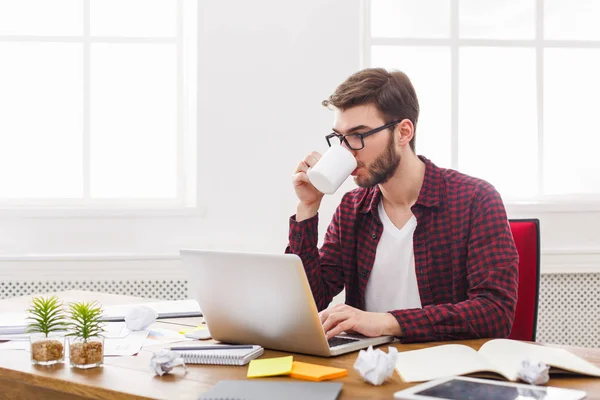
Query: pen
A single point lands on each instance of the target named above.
(224, 347)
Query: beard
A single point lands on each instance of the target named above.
(383, 168)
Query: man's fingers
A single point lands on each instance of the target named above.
(311, 159)
(301, 167)
(323, 315)
(339, 306)
(334, 319)
(300, 178)
(339, 328)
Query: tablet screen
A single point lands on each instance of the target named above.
(462, 390)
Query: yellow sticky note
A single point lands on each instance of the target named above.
(270, 367)
(314, 372)
(198, 328)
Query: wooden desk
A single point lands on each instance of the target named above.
(131, 377)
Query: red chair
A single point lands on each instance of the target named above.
(526, 233)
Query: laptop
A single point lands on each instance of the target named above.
(263, 299)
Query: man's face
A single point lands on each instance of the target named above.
(379, 159)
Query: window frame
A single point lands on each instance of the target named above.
(186, 202)
(540, 203)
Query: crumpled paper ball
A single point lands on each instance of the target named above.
(164, 361)
(534, 372)
(140, 317)
(375, 365)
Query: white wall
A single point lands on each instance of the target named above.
(264, 68)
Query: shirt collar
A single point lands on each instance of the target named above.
(429, 196)
(431, 191)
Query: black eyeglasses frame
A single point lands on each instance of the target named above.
(362, 136)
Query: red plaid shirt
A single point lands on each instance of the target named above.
(465, 257)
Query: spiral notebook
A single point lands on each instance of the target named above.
(220, 356)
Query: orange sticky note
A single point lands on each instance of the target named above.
(270, 367)
(314, 372)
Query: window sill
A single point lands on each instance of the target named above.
(137, 212)
(573, 205)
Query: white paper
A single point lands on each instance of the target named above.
(160, 336)
(164, 361)
(140, 318)
(534, 372)
(16, 322)
(18, 336)
(126, 346)
(15, 345)
(13, 322)
(450, 359)
(375, 365)
(115, 330)
(163, 308)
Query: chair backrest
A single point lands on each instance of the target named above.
(526, 233)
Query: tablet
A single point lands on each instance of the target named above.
(461, 388)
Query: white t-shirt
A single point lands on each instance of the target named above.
(393, 282)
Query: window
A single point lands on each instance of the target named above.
(97, 103)
(508, 89)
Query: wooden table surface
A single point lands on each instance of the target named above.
(131, 377)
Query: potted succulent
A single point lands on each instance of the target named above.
(47, 328)
(86, 345)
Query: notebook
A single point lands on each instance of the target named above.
(273, 390)
(502, 357)
(225, 356)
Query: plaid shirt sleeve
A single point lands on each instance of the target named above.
(323, 267)
(492, 275)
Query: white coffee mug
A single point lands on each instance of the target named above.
(328, 174)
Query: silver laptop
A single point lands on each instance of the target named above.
(262, 299)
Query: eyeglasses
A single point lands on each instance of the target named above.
(356, 141)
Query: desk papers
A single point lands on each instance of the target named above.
(164, 309)
(16, 322)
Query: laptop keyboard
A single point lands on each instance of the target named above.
(338, 341)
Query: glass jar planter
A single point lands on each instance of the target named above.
(47, 350)
(86, 353)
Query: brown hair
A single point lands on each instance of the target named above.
(391, 92)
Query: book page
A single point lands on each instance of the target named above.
(507, 356)
(440, 361)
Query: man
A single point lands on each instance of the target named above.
(424, 253)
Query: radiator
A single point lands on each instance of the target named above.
(569, 309)
(154, 289)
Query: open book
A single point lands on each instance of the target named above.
(499, 356)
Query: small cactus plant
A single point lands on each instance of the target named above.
(47, 318)
(86, 344)
(85, 320)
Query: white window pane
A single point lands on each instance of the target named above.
(497, 118)
(572, 19)
(429, 70)
(410, 18)
(571, 125)
(493, 19)
(41, 120)
(145, 18)
(41, 17)
(133, 121)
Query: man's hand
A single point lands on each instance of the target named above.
(343, 318)
(310, 198)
